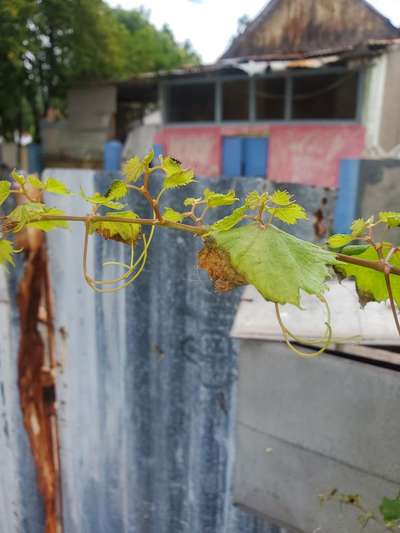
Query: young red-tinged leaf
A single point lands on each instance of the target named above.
(371, 284)
(171, 215)
(339, 240)
(118, 231)
(215, 199)
(4, 191)
(276, 263)
(6, 251)
(290, 214)
(132, 169)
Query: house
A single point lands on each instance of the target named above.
(309, 83)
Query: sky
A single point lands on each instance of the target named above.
(210, 24)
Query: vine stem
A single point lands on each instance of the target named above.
(386, 272)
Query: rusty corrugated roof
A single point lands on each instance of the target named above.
(311, 27)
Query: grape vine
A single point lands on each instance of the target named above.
(242, 248)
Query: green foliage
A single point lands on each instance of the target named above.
(282, 198)
(392, 219)
(6, 251)
(4, 191)
(255, 200)
(175, 175)
(133, 169)
(122, 231)
(172, 216)
(390, 509)
(290, 214)
(29, 213)
(50, 185)
(215, 199)
(371, 284)
(117, 190)
(99, 199)
(230, 221)
(339, 240)
(17, 177)
(276, 263)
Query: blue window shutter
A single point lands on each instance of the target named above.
(255, 154)
(232, 151)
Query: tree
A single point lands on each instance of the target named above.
(45, 45)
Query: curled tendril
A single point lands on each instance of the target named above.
(288, 335)
(130, 269)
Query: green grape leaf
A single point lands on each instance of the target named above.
(191, 201)
(118, 231)
(370, 284)
(254, 200)
(282, 198)
(175, 175)
(16, 176)
(99, 199)
(4, 191)
(276, 263)
(390, 509)
(171, 215)
(132, 169)
(339, 240)
(35, 182)
(6, 251)
(230, 221)
(56, 187)
(215, 199)
(358, 227)
(148, 159)
(391, 218)
(290, 214)
(24, 214)
(117, 190)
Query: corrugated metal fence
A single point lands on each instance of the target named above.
(146, 397)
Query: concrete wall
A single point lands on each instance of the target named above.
(389, 136)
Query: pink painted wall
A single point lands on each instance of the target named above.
(310, 154)
(305, 154)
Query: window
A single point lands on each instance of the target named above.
(235, 100)
(325, 97)
(191, 102)
(244, 156)
(270, 98)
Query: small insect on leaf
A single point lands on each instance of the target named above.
(172, 216)
(118, 231)
(6, 251)
(339, 240)
(19, 178)
(4, 191)
(215, 199)
(391, 218)
(282, 198)
(290, 214)
(175, 175)
(132, 169)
